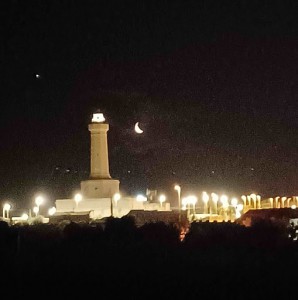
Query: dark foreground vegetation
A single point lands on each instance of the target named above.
(117, 260)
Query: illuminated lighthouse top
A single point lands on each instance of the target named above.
(98, 118)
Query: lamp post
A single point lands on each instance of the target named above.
(243, 197)
(25, 217)
(205, 198)
(193, 200)
(184, 202)
(283, 199)
(162, 198)
(178, 189)
(6, 208)
(141, 198)
(239, 208)
(36, 210)
(225, 205)
(38, 201)
(234, 203)
(77, 198)
(271, 202)
(276, 201)
(288, 202)
(254, 198)
(259, 202)
(186, 205)
(214, 198)
(52, 211)
(116, 198)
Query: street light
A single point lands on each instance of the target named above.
(205, 199)
(288, 202)
(52, 211)
(243, 197)
(283, 199)
(24, 216)
(254, 198)
(78, 198)
(193, 200)
(184, 202)
(214, 198)
(36, 210)
(178, 189)
(141, 198)
(233, 209)
(116, 198)
(225, 205)
(271, 202)
(39, 200)
(234, 202)
(187, 201)
(239, 208)
(162, 198)
(6, 208)
(259, 201)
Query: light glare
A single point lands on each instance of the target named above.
(141, 198)
(98, 118)
(39, 200)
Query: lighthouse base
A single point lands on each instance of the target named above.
(99, 188)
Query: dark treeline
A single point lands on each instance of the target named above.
(117, 259)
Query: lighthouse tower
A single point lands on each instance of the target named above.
(100, 184)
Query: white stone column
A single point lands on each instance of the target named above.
(99, 158)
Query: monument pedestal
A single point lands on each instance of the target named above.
(99, 188)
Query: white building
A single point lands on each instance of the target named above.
(100, 195)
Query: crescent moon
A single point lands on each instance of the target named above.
(137, 128)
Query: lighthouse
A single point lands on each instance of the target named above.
(98, 192)
(100, 184)
(99, 156)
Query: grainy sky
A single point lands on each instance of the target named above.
(212, 83)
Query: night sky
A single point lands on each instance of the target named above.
(213, 84)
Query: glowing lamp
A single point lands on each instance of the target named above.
(234, 202)
(24, 217)
(6, 206)
(98, 118)
(141, 198)
(39, 200)
(52, 211)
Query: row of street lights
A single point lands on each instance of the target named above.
(210, 203)
(39, 200)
